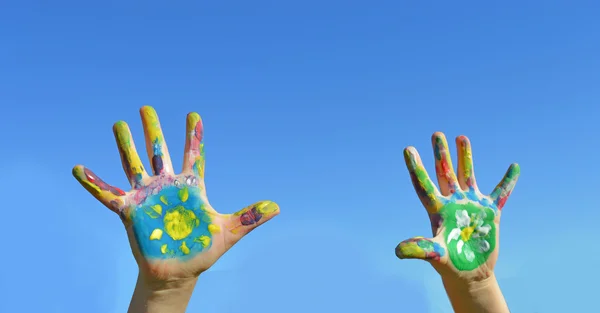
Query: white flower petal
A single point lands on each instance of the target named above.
(479, 222)
(454, 234)
(462, 218)
(482, 231)
(469, 255)
(481, 245)
(459, 246)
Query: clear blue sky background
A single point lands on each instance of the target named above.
(308, 103)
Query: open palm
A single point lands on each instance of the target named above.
(173, 230)
(465, 223)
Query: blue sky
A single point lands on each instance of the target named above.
(307, 103)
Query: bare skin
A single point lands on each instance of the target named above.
(174, 232)
(465, 225)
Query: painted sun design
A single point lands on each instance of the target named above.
(173, 222)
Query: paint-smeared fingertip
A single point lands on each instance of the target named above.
(410, 150)
(401, 251)
(514, 170)
(268, 207)
(119, 126)
(194, 120)
(462, 139)
(438, 134)
(147, 110)
(194, 116)
(78, 171)
(411, 156)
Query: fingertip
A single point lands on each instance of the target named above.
(194, 123)
(251, 217)
(398, 251)
(120, 126)
(408, 250)
(267, 207)
(147, 110)
(78, 171)
(438, 134)
(411, 157)
(462, 140)
(420, 248)
(515, 167)
(513, 172)
(194, 116)
(410, 152)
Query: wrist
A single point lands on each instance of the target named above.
(152, 296)
(482, 296)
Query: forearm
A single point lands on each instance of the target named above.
(164, 298)
(477, 297)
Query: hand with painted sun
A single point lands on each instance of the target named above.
(465, 225)
(173, 231)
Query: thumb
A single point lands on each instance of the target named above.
(420, 248)
(250, 217)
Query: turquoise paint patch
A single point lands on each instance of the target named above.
(457, 196)
(144, 224)
(472, 195)
(157, 147)
(439, 249)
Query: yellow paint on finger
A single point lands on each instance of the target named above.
(163, 248)
(267, 207)
(150, 120)
(412, 250)
(192, 121)
(199, 163)
(95, 190)
(127, 147)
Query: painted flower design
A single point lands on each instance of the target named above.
(471, 232)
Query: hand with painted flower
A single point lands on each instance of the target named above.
(465, 225)
(174, 232)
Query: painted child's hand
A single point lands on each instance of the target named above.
(173, 231)
(465, 222)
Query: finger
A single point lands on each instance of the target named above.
(466, 175)
(443, 165)
(426, 190)
(249, 218)
(112, 197)
(194, 146)
(129, 157)
(506, 186)
(155, 142)
(420, 248)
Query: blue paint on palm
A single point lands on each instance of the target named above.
(172, 223)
